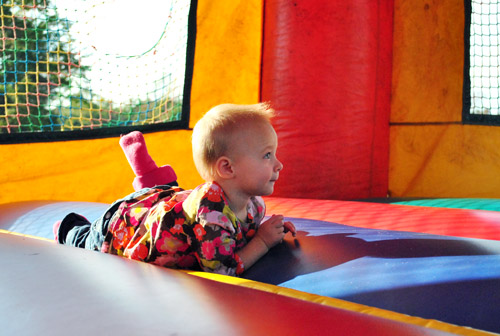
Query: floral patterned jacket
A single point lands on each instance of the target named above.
(193, 230)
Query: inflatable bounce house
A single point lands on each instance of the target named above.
(388, 131)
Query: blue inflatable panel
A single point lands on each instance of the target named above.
(451, 279)
(36, 218)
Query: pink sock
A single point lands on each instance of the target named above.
(147, 173)
(55, 229)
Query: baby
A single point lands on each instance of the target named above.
(217, 227)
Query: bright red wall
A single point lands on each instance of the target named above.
(327, 70)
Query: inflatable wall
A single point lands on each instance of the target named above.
(432, 152)
(327, 70)
(369, 102)
(369, 94)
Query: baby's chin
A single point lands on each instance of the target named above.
(268, 192)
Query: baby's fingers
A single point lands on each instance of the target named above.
(276, 220)
(290, 227)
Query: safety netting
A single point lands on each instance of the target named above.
(484, 57)
(87, 65)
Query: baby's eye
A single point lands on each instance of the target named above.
(267, 156)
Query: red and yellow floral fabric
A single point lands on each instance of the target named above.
(193, 230)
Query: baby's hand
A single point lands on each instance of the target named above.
(272, 231)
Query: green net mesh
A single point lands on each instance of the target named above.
(86, 65)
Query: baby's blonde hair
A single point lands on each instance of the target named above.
(213, 132)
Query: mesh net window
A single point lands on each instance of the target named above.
(483, 70)
(93, 67)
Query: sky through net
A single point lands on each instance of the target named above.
(484, 51)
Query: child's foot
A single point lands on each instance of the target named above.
(147, 173)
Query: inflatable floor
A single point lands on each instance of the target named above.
(354, 268)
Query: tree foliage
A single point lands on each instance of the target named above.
(36, 63)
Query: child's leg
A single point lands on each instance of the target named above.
(73, 230)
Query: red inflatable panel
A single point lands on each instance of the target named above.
(327, 70)
(467, 223)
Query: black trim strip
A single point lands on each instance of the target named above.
(109, 132)
(466, 97)
(190, 51)
(482, 119)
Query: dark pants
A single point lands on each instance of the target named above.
(76, 230)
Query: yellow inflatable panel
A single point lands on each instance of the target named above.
(445, 161)
(228, 55)
(226, 69)
(427, 61)
(87, 170)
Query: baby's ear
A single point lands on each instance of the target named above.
(224, 167)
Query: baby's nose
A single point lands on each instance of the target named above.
(279, 165)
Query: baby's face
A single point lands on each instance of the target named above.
(253, 151)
